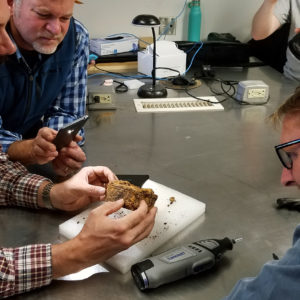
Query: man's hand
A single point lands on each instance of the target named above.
(85, 187)
(39, 150)
(102, 237)
(43, 149)
(69, 159)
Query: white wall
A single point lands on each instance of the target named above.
(103, 18)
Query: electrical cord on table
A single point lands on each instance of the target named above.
(228, 90)
(170, 69)
(121, 88)
(202, 99)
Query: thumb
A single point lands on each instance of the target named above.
(94, 190)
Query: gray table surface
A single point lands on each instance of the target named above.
(225, 159)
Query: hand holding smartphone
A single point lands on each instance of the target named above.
(67, 133)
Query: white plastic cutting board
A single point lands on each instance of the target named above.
(171, 218)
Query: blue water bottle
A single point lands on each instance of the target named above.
(194, 21)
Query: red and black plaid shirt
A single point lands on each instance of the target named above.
(24, 268)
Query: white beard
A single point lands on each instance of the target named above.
(44, 49)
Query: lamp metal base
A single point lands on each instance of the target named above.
(152, 91)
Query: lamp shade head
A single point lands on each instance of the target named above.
(146, 20)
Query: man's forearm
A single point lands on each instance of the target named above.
(67, 258)
(21, 151)
(264, 22)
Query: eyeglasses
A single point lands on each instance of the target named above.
(284, 156)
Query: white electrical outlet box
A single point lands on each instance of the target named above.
(252, 91)
(99, 101)
(167, 25)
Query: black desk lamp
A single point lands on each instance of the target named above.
(150, 90)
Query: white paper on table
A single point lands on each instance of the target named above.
(84, 274)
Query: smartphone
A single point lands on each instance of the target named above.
(67, 133)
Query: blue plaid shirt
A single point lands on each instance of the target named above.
(70, 104)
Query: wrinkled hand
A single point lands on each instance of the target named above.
(69, 159)
(42, 149)
(85, 187)
(102, 237)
